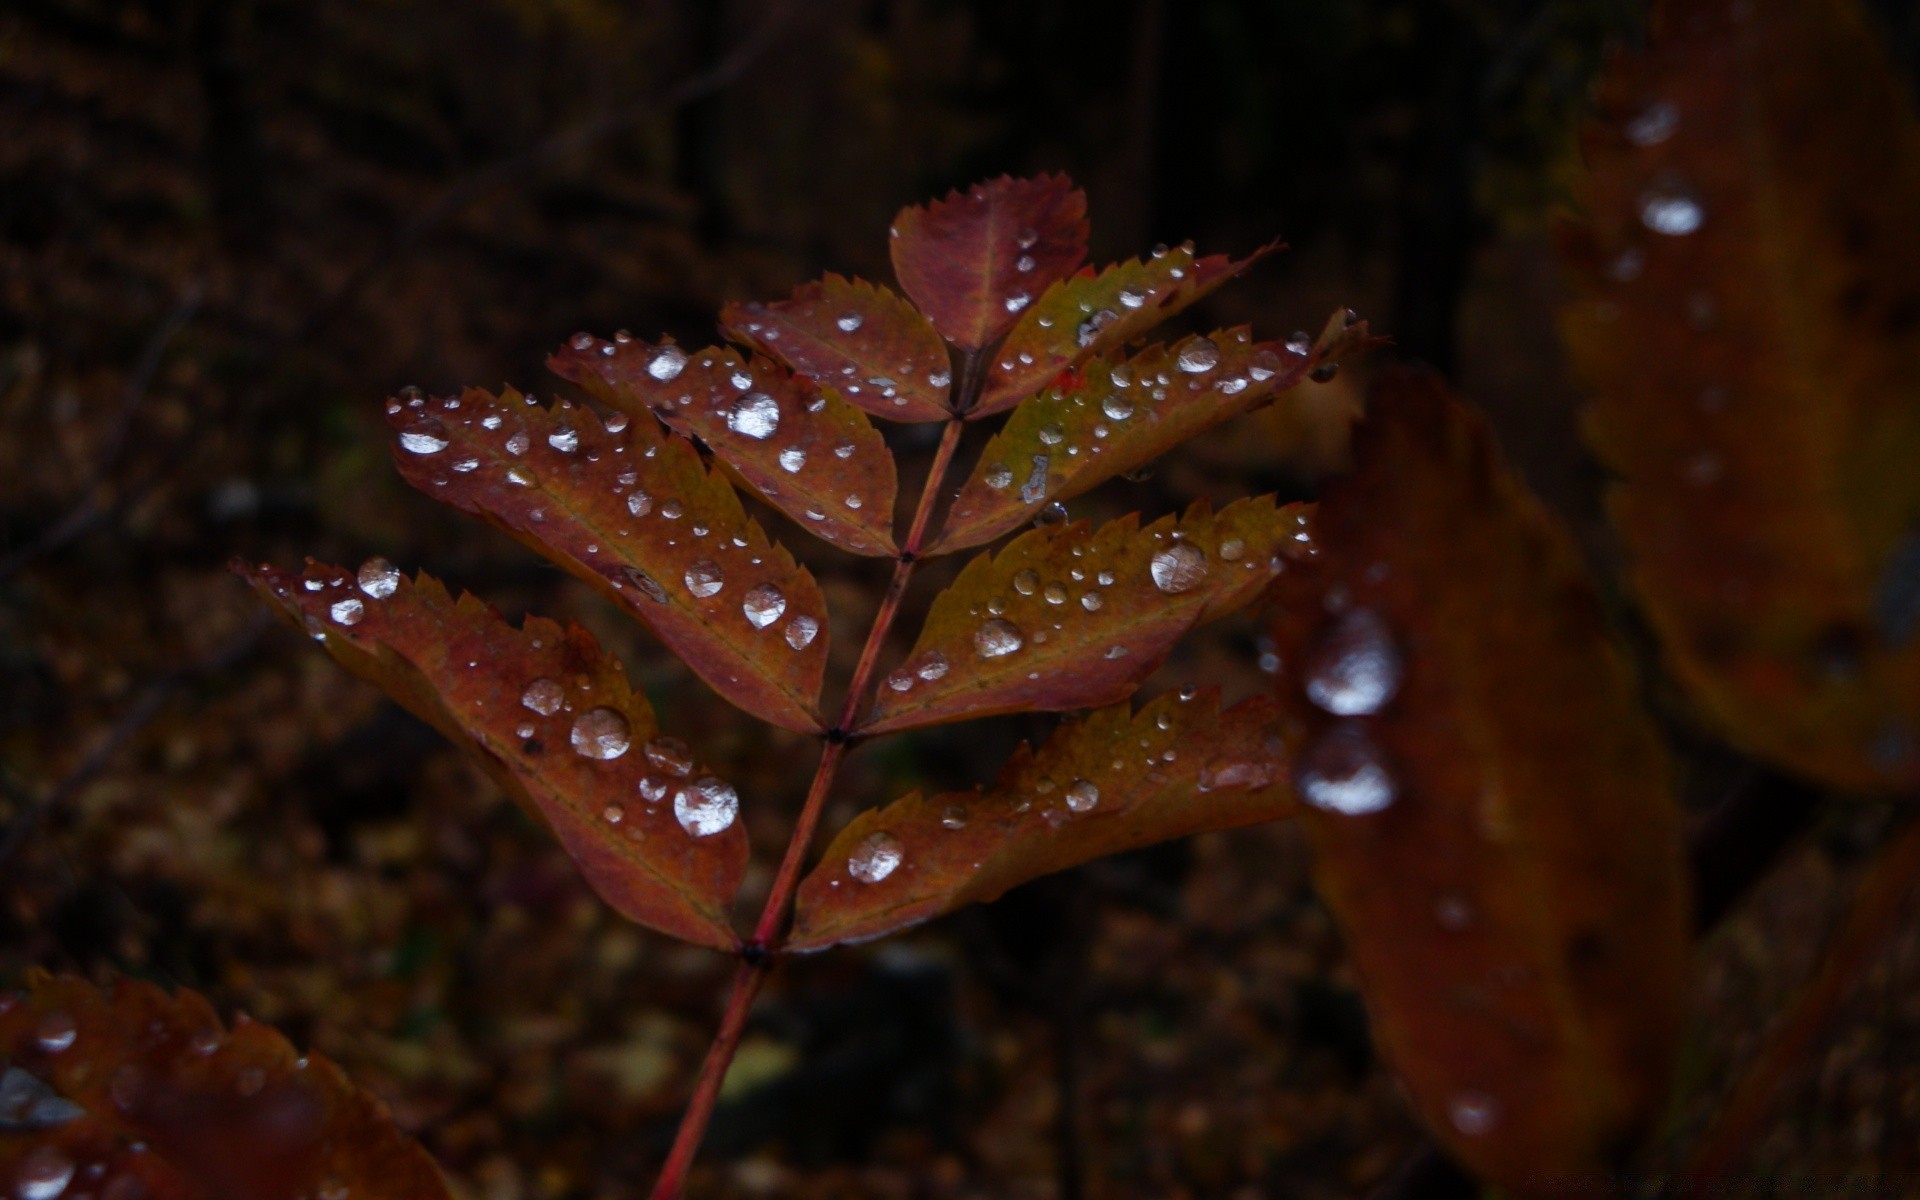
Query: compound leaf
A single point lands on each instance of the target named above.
(1491, 811)
(135, 1093)
(858, 338)
(631, 509)
(1092, 313)
(1110, 781)
(1118, 414)
(1068, 617)
(975, 262)
(802, 448)
(552, 718)
(1752, 332)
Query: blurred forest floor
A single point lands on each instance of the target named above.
(228, 228)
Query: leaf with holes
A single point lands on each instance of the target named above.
(804, 450)
(1491, 812)
(1119, 414)
(1752, 330)
(1093, 313)
(1068, 616)
(975, 262)
(631, 509)
(858, 338)
(552, 718)
(1110, 781)
(135, 1093)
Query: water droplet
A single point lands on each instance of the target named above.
(1052, 514)
(544, 696)
(933, 666)
(601, 733)
(1654, 124)
(1179, 567)
(707, 807)
(1026, 581)
(1670, 206)
(704, 578)
(668, 363)
(848, 322)
(853, 501)
(379, 578)
(876, 857)
(425, 436)
(564, 439)
(669, 754)
(1052, 435)
(997, 638)
(1232, 550)
(1198, 356)
(801, 631)
(639, 503)
(763, 605)
(1117, 407)
(1354, 668)
(1018, 301)
(792, 459)
(582, 341)
(613, 814)
(1343, 771)
(1473, 1113)
(671, 510)
(56, 1032)
(1132, 299)
(1091, 601)
(1026, 238)
(347, 611)
(43, 1174)
(1054, 593)
(953, 817)
(1091, 328)
(755, 415)
(1082, 795)
(998, 476)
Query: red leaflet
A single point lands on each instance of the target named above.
(1491, 812)
(858, 338)
(975, 262)
(141, 1094)
(1117, 414)
(1068, 617)
(552, 718)
(1105, 783)
(631, 509)
(807, 452)
(1092, 313)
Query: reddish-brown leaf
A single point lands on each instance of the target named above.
(1104, 783)
(975, 262)
(1092, 314)
(631, 509)
(1069, 617)
(805, 451)
(1116, 414)
(1491, 812)
(552, 718)
(860, 339)
(141, 1094)
(1752, 330)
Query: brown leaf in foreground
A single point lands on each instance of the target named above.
(631, 509)
(975, 262)
(1752, 331)
(1490, 810)
(552, 718)
(1111, 781)
(1068, 616)
(141, 1094)
(858, 338)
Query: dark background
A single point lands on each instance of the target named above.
(228, 229)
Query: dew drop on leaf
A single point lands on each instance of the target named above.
(1179, 567)
(669, 754)
(1017, 301)
(379, 578)
(639, 503)
(1132, 299)
(763, 605)
(792, 459)
(1354, 668)
(801, 632)
(876, 857)
(518, 442)
(347, 611)
(544, 696)
(1026, 581)
(1671, 207)
(1654, 124)
(1343, 771)
(425, 436)
(755, 415)
(998, 476)
(1117, 407)
(933, 666)
(1052, 435)
(56, 1032)
(953, 817)
(849, 322)
(667, 364)
(1473, 1113)
(997, 638)
(1198, 356)
(706, 807)
(564, 439)
(601, 733)
(705, 578)
(43, 1173)
(1082, 795)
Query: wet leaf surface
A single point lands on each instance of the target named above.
(163, 1102)
(858, 338)
(1067, 616)
(1751, 327)
(1491, 812)
(1097, 312)
(1110, 781)
(974, 262)
(803, 449)
(631, 509)
(552, 718)
(1117, 414)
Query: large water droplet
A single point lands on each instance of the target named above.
(1343, 771)
(668, 363)
(1671, 206)
(706, 807)
(1198, 356)
(704, 578)
(639, 503)
(876, 857)
(1354, 668)
(848, 322)
(763, 605)
(379, 578)
(997, 638)
(347, 611)
(43, 1174)
(755, 415)
(1082, 795)
(1117, 407)
(564, 439)
(544, 696)
(601, 733)
(998, 476)
(792, 459)
(801, 631)
(932, 667)
(425, 436)
(1179, 567)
